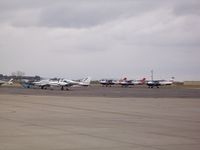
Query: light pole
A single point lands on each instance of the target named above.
(151, 75)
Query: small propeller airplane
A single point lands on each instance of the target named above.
(123, 82)
(10, 82)
(157, 83)
(108, 82)
(63, 83)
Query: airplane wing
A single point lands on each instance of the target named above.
(2, 82)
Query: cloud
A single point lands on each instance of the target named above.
(102, 39)
(72, 13)
(187, 8)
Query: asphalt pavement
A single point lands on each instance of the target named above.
(34, 122)
(99, 91)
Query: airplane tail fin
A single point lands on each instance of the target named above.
(143, 80)
(125, 78)
(172, 79)
(85, 81)
(10, 81)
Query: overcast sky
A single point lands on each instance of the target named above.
(101, 38)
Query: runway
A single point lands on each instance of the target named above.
(98, 118)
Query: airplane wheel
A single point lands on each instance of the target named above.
(62, 88)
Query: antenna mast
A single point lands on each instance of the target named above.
(152, 75)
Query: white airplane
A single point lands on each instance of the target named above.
(139, 82)
(42, 83)
(10, 82)
(157, 83)
(63, 83)
(108, 82)
(165, 82)
(125, 83)
(68, 83)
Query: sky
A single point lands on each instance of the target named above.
(101, 38)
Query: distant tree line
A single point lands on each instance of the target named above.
(19, 75)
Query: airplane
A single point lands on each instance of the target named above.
(139, 82)
(10, 82)
(107, 82)
(63, 83)
(26, 83)
(125, 83)
(43, 84)
(157, 83)
(69, 83)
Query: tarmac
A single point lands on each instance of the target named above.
(100, 118)
(115, 91)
